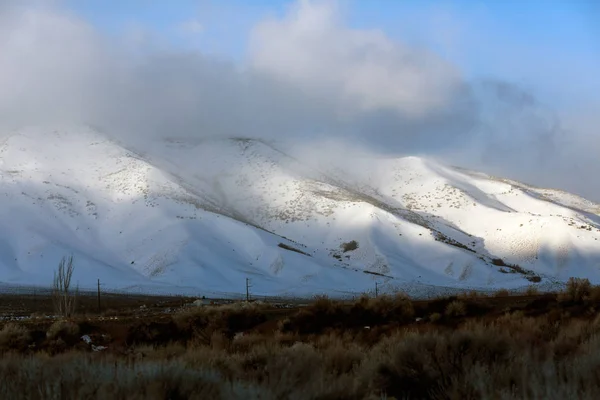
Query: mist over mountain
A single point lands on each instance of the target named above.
(306, 76)
(186, 215)
(322, 133)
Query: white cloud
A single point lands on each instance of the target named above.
(364, 68)
(305, 69)
(50, 65)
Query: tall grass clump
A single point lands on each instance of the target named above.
(14, 337)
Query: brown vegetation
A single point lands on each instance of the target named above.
(65, 330)
(14, 337)
(516, 269)
(349, 246)
(531, 290)
(456, 309)
(467, 347)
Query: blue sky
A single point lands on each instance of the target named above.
(550, 47)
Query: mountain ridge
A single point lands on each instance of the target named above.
(203, 214)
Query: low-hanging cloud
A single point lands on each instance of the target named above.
(307, 77)
(49, 65)
(359, 68)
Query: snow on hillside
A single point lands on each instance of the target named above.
(200, 216)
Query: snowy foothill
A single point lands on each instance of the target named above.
(200, 216)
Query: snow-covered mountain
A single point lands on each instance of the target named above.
(202, 215)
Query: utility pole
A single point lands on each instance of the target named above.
(248, 289)
(376, 289)
(99, 296)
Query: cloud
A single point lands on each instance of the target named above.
(308, 78)
(50, 66)
(361, 69)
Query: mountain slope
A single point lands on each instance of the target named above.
(182, 215)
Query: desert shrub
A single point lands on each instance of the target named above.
(156, 333)
(244, 342)
(226, 319)
(404, 304)
(471, 295)
(435, 317)
(531, 291)
(323, 313)
(511, 356)
(340, 353)
(342, 359)
(498, 262)
(567, 340)
(502, 293)
(283, 324)
(383, 309)
(304, 371)
(430, 365)
(456, 309)
(14, 337)
(436, 305)
(594, 296)
(536, 332)
(349, 246)
(65, 330)
(56, 346)
(77, 376)
(576, 291)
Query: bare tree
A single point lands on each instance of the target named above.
(62, 296)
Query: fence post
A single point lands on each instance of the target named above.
(99, 310)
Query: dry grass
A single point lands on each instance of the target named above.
(14, 337)
(472, 295)
(61, 329)
(456, 309)
(531, 290)
(513, 356)
(228, 320)
(325, 314)
(386, 347)
(579, 290)
(435, 317)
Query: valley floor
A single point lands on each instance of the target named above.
(461, 347)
